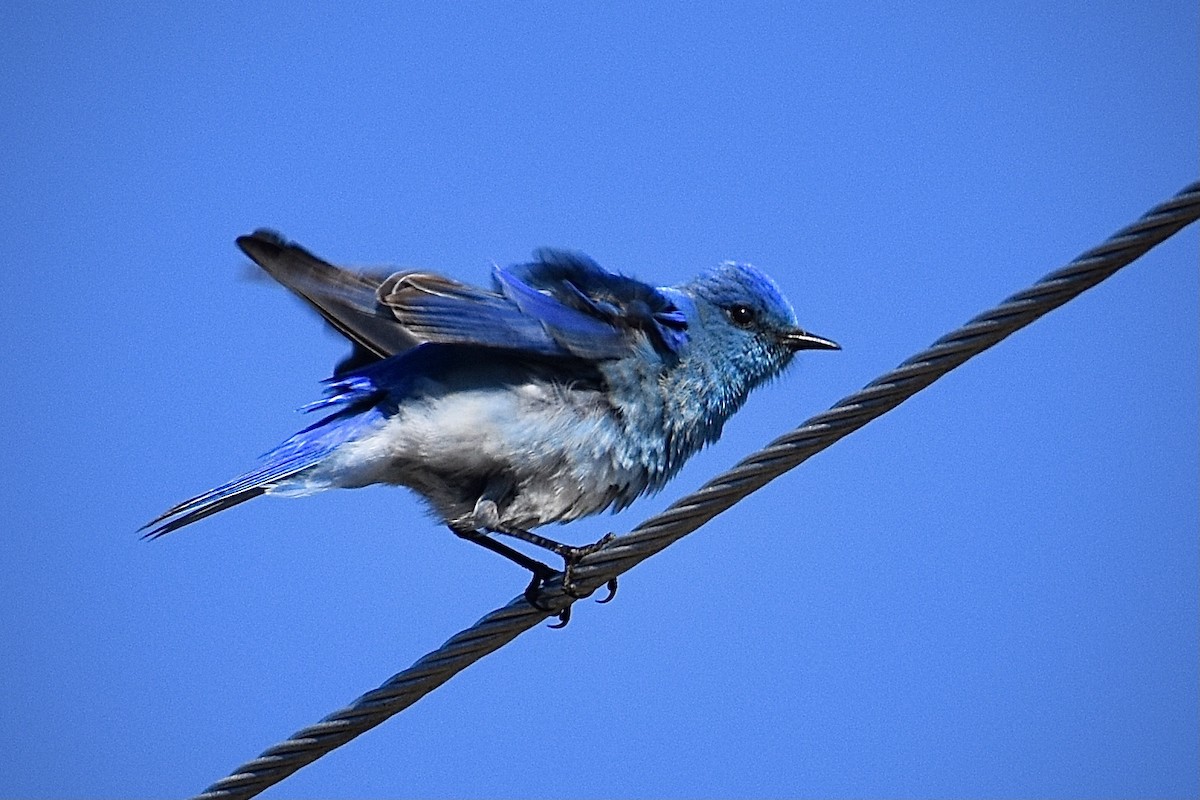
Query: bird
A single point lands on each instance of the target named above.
(560, 391)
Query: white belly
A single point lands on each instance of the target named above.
(559, 454)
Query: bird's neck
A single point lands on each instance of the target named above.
(699, 398)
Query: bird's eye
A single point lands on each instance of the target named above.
(742, 316)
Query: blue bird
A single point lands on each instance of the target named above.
(561, 391)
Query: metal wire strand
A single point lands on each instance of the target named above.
(687, 514)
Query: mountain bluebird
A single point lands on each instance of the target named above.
(561, 391)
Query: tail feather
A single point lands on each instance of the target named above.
(227, 495)
(194, 510)
(301, 453)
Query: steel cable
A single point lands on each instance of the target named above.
(687, 514)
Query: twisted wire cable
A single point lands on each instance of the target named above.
(687, 514)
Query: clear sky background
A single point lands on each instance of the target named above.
(992, 591)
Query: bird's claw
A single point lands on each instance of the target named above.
(564, 617)
(612, 590)
(571, 557)
(533, 597)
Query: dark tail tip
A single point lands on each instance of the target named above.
(188, 512)
(262, 245)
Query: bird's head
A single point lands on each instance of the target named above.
(749, 322)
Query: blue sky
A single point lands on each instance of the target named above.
(992, 591)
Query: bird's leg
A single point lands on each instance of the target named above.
(486, 515)
(569, 553)
(541, 572)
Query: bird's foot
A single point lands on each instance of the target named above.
(533, 592)
(572, 555)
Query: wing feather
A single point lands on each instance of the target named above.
(562, 304)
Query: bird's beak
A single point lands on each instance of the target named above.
(797, 339)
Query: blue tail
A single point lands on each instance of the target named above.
(362, 396)
(298, 454)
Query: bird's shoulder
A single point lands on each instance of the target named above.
(583, 290)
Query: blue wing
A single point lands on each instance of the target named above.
(439, 310)
(562, 304)
(623, 302)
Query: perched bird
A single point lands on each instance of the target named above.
(561, 391)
